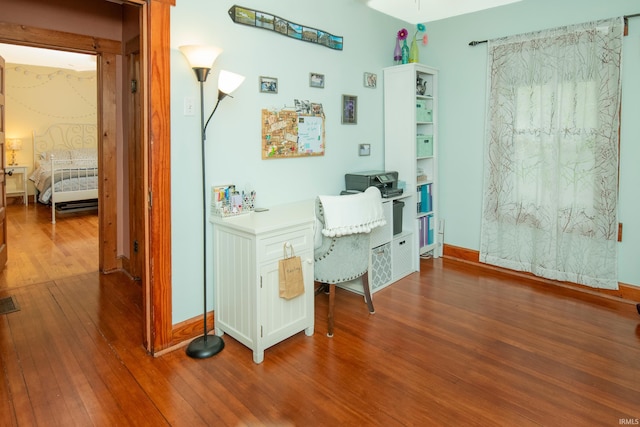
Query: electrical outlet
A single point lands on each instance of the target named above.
(189, 106)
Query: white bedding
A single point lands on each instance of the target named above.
(70, 175)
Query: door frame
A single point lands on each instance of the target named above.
(154, 27)
(3, 182)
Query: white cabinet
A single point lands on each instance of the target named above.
(411, 142)
(246, 250)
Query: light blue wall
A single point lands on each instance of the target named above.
(234, 135)
(233, 144)
(462, 95)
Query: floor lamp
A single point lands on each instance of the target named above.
(201, 59)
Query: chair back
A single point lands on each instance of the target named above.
(340, 259)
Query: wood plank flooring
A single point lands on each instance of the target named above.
(452, 345)
(41, 251)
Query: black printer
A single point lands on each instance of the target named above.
(387, 182)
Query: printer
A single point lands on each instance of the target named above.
(387, 182)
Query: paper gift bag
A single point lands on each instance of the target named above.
(290, 275)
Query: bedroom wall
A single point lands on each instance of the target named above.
(462, 91)
(234, 135)
(37, 97)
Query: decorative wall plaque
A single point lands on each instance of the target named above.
(267, 21)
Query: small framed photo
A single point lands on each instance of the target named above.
(268, 84)
(364, 149)
(370, 80)
(316, 80)
(349, 109)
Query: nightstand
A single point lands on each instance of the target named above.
(16, 181)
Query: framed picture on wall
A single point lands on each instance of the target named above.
(268, 84)
(370, 80)
(349, 109)
(316, 80)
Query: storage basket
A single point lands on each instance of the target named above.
(423, 113)
(424, 146)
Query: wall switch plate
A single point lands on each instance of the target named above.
(189, 106)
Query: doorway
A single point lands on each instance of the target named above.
(108, 54)
(34, 78)
(68, 26)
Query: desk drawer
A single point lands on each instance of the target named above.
(271, 247)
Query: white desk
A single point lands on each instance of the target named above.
(246, 251)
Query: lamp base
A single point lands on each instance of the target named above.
(205, 346)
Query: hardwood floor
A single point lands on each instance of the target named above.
(452, 345)
(41, 251)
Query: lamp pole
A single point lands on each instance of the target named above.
(206, 345)
(201, 59)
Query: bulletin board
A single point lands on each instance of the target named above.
(287, 133)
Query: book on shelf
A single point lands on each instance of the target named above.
(425, 198)
(422, 231)
(426, 230)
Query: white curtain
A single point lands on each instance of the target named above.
(551, 154)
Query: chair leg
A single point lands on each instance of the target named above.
(367, 292)
(323, 288)
(332, 297)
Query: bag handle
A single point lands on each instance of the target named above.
(284, 250)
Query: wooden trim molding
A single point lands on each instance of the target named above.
(158, 80)
(107, 185)
(189, 329)
(43, 38)
(625, 291)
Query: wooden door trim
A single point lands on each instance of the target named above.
(3, 183)
(52, 39)
(156, 65)
(108, 161)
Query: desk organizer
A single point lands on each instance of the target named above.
(227, 201)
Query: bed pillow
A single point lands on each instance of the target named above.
(57, 155)
(84, 153)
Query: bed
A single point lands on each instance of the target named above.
(65, 159)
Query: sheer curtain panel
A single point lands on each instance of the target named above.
(551, 153)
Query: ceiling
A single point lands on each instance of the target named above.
(412, 11)
(15, 54)
(415, 11)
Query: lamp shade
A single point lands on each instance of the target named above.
(14, 144)
(200, 56)
(228, 81)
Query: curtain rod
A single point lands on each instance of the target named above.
(477, 42)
